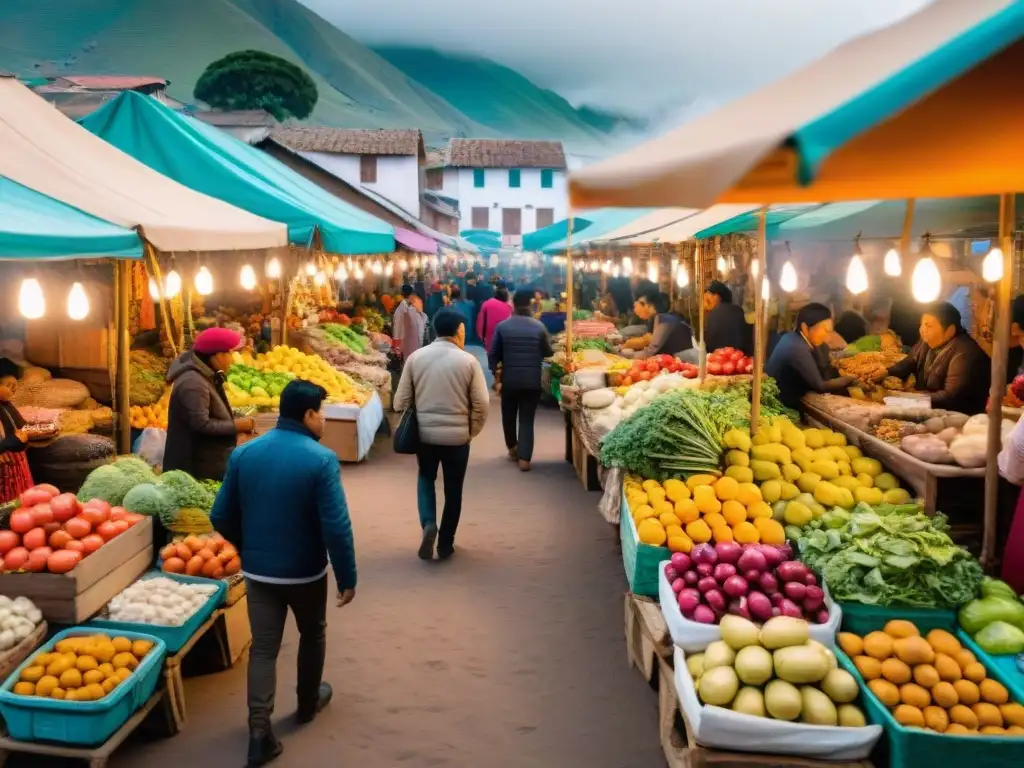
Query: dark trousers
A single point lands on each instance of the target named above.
(453, 460)
(268, 609)
(521, 404)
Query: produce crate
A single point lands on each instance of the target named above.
(12, 657)
(83, 723)
(72, 597)
(920, 748)
(174, 638)
(647, 637)
(861, 619)
(1006, 664)
(640, 560)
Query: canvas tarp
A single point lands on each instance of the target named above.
(537, 240)
(210, 161)
(34, 226)
(602, 221)
(47, 152)
(917, 109)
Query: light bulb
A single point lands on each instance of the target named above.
(627, 266)
(319, 279)
(310, 269)
(723, 266)
(154, 290)
(416, 262)
(359, 273)
(172, 284)
(856, 276)
(376, 268)
(341, 274)
(247, 277)
(389, 269)
(30, 299)
(787, 280)
(755, 268)
(274, 268)
(682, 276)
(764, 288)
(403, 265)
(893, 266)
(992, 266)
(616, 272)
(78, 303)
(607, 267)
(204, 281)
(926, 282)
(652, 273)
(594, 265)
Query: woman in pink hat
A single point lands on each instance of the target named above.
(201, 431)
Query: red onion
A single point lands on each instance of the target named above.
(706, 584)
(794, 590)
(691, 578)
(688, 600)
(752, 560)
(814, 598)
(678, 586)
(735, 586)
(771, 554)
(704, 553)
(777, 598)
(759, 605)
(704, 569)
(768, 583)
(716, 600)
(786, 551)
(789, 608)
(723, 571)
(776, 611)
(728, 552)
(822, 616)
(681, 561)
(753, 576)
(740, 607)
(791, 570)
(810, 579)
(671, 574)
(703, 615)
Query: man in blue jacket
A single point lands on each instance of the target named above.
(283, 507)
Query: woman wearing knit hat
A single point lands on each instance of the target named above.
(201, 432)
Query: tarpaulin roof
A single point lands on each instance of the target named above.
(917, 109)
(206, 159)
(485, 240)
(749, 220)
(535, 241)
(414, 241)
(602, 221)
(47, 152)
(34, 226)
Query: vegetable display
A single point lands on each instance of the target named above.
(755, 581)
(932, 682)
(995, 621)
(775, 671)
(890, 555)
(728, 362)
(18, 618)
(210, 556)
(260, 380)
(112, 481)
(159, 601)
(82, 668)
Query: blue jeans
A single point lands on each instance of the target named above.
(453, 460)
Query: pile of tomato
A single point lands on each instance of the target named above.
(645, 370)
(729, 362)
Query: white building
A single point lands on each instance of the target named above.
(387, 162)
(506, 186)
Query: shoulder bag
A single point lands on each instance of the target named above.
(407, 433)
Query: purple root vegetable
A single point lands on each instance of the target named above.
(735, 586)
(753, 576)
(752, 560)
(814, 598)
(776, 611)
(794, 590)
(776, 598)
(688, 600)
(681, 561)
(759, 605)
(768, 583)
(716, 600)
(703, 615)
(688, 615)
(791, 570)
(691, 578)
(704, 569)
(785, 550)
(728, 552)
(822, 616)
(723, 571)
(810, 579)
(678, 586)
(771, 554)
(704, 553)
(671, 573)
(789, 608)
(740, 607)
(706, 584)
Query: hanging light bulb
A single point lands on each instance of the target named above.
(310, 269)
(892, 265)
(403, 265)
(787, 280)
(172, 284)
(607, 267)
(627, 266)
(992, 266)
(247, 277)
(204, 281)
(765, 288)
(319, 279)
(274, 268)
(78, 302)
(341, 274)
(682, 276)
(31, 303)
(154, 290)
(389, 269)
(723, 266)
(755, 268)
(856, 276)
(594, 265)
(652, 272)
(926, 282)
(359, 273)
(376, 268)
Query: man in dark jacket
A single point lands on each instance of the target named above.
(725, 325)
(519, 346)
(201, 432)
(670, 334)
(283, 506)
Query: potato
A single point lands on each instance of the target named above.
(782, 632)
(967, 692)
(915, 695)
(816, 707)
(945, 695)
(993, 692)
(782, 700)
(754, 665)
(869, 668)
(718, 654)
(936, 719)
(801, 664)
(943, 642)
(878, 645)
(738, 632)
(947, 668)
(851, 644)
(749, 701)
(840, 686)
(908, 715)
(926, 676)
(695, 665)
(898, 628)
(987, 714)
(965, 717)
(886, 692)
(913, 651)
(895, 671)
(851, 716)
(718, 686)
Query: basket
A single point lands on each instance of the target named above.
(12, 657)
(1006, 664)
(919, 748)
(174, 638)
(860, 618)
(81, 723)
(640, 560)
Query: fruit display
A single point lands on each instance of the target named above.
(729, 362)
(259, 380)
(754, 581)
(85, 668)
(347, 336)
(53, 532)
(680, 514)
(18, 618)
(155, 415)
(775, 671)
(159, 601)
(247, 385)
(995, 621)
(932, 682)
(201, 555)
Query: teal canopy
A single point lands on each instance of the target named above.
(486, 240)
(34, 226)
(536, 241)
(602, 222)
(208, 160)
(748, 222)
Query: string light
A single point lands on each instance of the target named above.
(78, 302)
(310, 269)
(359, 273)
(926, 282)
(594, 265)
(319, 279)
(992, 266)
(682, 276)
(607, 267)
(893, 266)
(616, 272)
(765, 288)
(274, 268)
(627, 266)
(31, 303)
(755, 268)
(172, 284)
(652, 272)
(403, 265)
(856, 276)
(723, 266)
(247, 277)
(389, 269)
(204, 281)
(154, 290)
(787, 280)
(341, 274)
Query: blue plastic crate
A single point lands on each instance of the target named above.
(174, 637)
(640, 560)
(860, 618)
(80, 723)
(1006, 664)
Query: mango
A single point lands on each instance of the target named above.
(866, 480)
(852, 452)
(886, 481)
(828, 470)
(738, 439)
(736, 458)
(650, 531)
(845, 469)
(837, 454)
(872, 496)
(808, 481)
(802, 453)
(793, 438)
(765, 470)
(790, 472)
(867, 465)
(828, 494)
(771, 491)
(850, 483)
(797, 514)
(835, 438)
(814, 438)
(748, 493)
(896, 496)
(788, 491)
(693, 481)
(774, 452)
(740, 474)
(676, 490)
(761, 438)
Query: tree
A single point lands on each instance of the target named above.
(258, 80)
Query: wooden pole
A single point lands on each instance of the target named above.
(122, 285)
(698, 282)
(1000, 349)
(569, 359)
(762, 258)
(162, 302)
(908, 223)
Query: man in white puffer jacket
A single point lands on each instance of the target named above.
(446, 386)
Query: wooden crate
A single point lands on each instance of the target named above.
(73, 597)
(585, 464)
(647, 636)
(342, 437)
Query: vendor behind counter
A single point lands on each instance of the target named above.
(725, 323)
(669, 333)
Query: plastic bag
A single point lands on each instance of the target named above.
(150, 446)
(1000, 639)
(611, 502)
(978, 614)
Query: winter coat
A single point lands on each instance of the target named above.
(447, 387)
(286, 522)
(493, 311)
(410, 325)
(726, 326)
(957, 377)
(200, 427)
(520, 345)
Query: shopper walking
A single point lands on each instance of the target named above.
(201, 431)
(493, 311)
(446, 386)
(285, 480)
(518, 349)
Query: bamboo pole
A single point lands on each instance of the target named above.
(1000, 349)
(569, 359)
(908, 223)
(698, 282)
(762, 257)
(158, 278)
(122, 285)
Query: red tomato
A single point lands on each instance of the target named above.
(117, 513)
(16, 559)
(667, 359)
(132, 518)
(121, 526)
(690, 373)
(64, 507)
(729, 368)
(98, 503)
(8, 541)
(736, 356)
(22, 521)
(60, 539)
(75, 546)
(33, 496)
(37, 559)
(627, 381)
(51, 527)
(42, 514)
(95, 515)
(674, 367)
(63, 561)
(79, 527)
(653, 366)
(109, 530)
(92, 542)
(645, 376)
(715, 368)
(34, 539)
(51, 490)
(748, 366)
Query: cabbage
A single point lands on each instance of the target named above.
(107, 483)
(978, 614)
(148, 499)
(1000, 638)
(136, 469)
(186, 491)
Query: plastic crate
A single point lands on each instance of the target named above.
(1006, 664)
(860, 618)
(174, 638)
(640, 560)
(81, 723)
(920, 748)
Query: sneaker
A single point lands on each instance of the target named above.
(323, 698)
(426, 551)
(524, 466)
(513, 453)
(263, 748)
(445, 553)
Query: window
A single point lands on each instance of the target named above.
(481, 218)
(511, 221)
(435, 178)
(547, 178)
(515, 178)
(545, 217)
(368, 169)
(478, 178)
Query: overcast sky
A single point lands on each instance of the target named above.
(635, 55)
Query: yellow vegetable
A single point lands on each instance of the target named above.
(852, 452)
(642, 513)
(655, 495)
(680, 543)
(866, 480)
(740, 474)
(790, 472)
(771, 491)
(805, 454)
(797, 514)
(736, 458)
(663, 508)
(722, 533)
(761, 438)
(867, 465)
(835, 438)
(726, 488)
(828, 470)
(699, 531)
(771, 531)
(896, 496)
(765, 470)
(759, 509)
(886, 481)
(650, 531)
(773, 452)
(793, 438)
(675, 490)
(808, 481)
(814, 438)
(668, 519)
(714, 520)
(734, 512)
(837, 454)
(738, 439)
(746, 533)
(686, 510)
(695, 481)
(704, 498)
(845, 469)
(748, 493)
(849, 483)
(828, 494)
(872, 496)
(788, 491)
